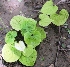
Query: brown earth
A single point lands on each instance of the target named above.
(53, 49)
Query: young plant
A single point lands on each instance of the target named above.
(15, 50)
(49, 14)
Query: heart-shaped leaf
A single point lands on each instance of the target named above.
(43, 33)
(10, 37)
(17, 22)
(28, 61)
(45, 20)
(48, 8)
(60, 19)
(28, 26)
(33, 38)
(10, 54)
(28, 51)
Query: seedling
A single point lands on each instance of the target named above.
(24, 50)
(42, 58)
(49, 14)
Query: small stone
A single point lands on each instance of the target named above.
(19, 0)
(8, 0)
(63, 38)
(20, 12)
(24, 13)
(52, 65)
(65, 26)
(68, 35)
(10, 11)
(68, 46)
(31, 15)
(42, 64)
(63, 0)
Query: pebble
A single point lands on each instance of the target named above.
(68, 35)
(68, 46)
(52, 65)
(65, 26)
(63, 0)
(42, 64)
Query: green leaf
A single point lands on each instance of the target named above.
(42, 58)
(28, 26)
(10, 54)
(49, 8)
(33, 38)
(43, 33)
(17, 22)
(10, 37)
(28, 51)
(45, 20)
(61, 18)
(29, 61)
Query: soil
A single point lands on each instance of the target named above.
(55, 48)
